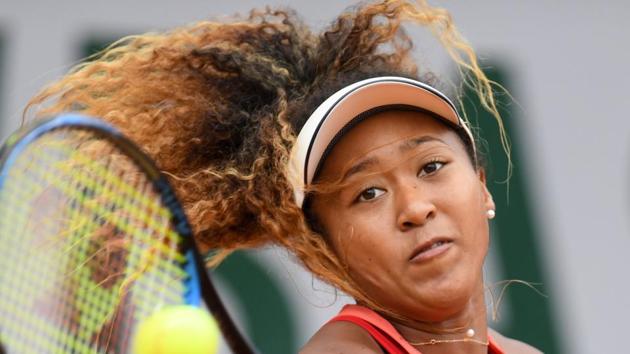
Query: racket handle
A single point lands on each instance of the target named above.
(234, 338)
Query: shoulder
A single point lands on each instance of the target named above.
(512, 346)
(341, 337)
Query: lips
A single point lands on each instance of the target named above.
(430, 249)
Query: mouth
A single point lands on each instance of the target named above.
(430, 249)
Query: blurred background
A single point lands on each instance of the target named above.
(565, 228)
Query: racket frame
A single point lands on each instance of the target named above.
(197, 286)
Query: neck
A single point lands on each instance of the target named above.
(452, 335)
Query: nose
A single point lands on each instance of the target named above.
(414, 207)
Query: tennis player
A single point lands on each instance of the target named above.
(334, 145)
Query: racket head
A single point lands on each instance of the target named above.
(92, 240)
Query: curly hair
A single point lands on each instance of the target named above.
(218, 106)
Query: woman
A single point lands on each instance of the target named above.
(405, 208)
(335, 146)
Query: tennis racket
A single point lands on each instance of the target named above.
(92, 242)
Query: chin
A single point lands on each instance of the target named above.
(447, 297)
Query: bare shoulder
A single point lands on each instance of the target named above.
(341, 338)
(513, 346)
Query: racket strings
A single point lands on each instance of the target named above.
(84, 227)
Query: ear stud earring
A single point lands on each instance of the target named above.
(491, 214)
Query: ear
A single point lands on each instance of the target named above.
(487, 197)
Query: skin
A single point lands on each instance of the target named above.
(407, 179)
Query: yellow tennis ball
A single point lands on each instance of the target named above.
(177, 330)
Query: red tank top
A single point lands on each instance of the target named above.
(384, 333)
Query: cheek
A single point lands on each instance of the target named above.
(364, 247)
(470, 214)
(353, 242)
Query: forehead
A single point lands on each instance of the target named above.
(382, 133)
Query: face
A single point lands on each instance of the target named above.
(409, 218)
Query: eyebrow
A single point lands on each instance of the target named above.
(406, 145)
(412, 143)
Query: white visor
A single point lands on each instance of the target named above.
(340, 109)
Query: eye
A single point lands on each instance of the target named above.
(431, 168)
(370, 194)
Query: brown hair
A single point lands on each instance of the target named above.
(218, 106)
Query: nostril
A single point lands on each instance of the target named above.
(417, 219)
